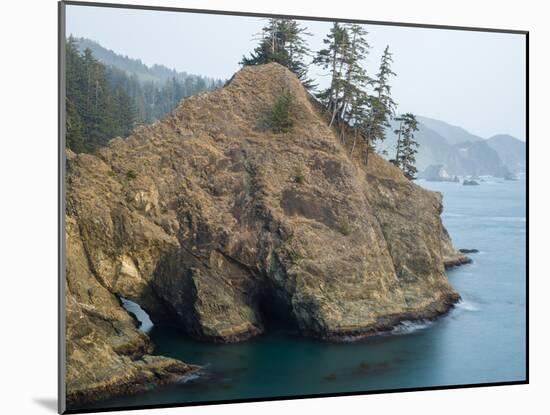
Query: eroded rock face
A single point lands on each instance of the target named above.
(206, 221)
(106, 354)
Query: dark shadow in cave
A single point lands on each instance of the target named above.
(276, 311)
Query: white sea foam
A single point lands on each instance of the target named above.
(188, 378)
(407, 327)
(467, 305)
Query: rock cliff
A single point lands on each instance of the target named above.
(211, 224)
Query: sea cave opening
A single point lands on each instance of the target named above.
(276, 312)
(145, 323)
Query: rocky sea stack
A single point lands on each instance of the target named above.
(211, 223)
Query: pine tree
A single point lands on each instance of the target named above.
(359, 112)
(354, 95)
(124, 113)
(332, 58)
(381, 105)
(297, 50)
(347, 98)
(74, 136)
(407, 146)
(283, 41)
(279, 118)
(105, 102)
(95, 112)
(96, 119)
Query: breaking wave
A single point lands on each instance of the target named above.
(466, 305)
(188, 378)
(407, 327)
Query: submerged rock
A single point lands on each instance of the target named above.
(200, 220)
(468, 251)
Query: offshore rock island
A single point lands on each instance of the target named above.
(210, 222)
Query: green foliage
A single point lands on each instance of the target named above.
(333, 59)
(95, 112)
(103, 102)
(345, 228)
(299, 178)
(155, 90)
(74, 128)
(159, 75)
(153, 99)
(131, 175)
(345, 97)
(355, 100)
(380, 103)
(279, 117)
(282, 41)
(407, 146)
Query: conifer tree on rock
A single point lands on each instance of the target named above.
(407, 146)
(283, 41)
(381, 105)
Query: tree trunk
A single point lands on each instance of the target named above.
(96, 92)
(335, 103)
(367, 152)
(398, 144)
(346, 93)
(273, 34)
(354, 141)
(332, 99)
(336, 92)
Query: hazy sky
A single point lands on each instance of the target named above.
(472, 79)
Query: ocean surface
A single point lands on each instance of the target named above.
(481, 340)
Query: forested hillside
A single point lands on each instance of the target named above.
(108, 95)
(155, 73)
(96, 110)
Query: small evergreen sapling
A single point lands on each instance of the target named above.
(279, 117)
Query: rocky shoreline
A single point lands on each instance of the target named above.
(151, 371)
(389, 323)
(200, 220)
(462, 260)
